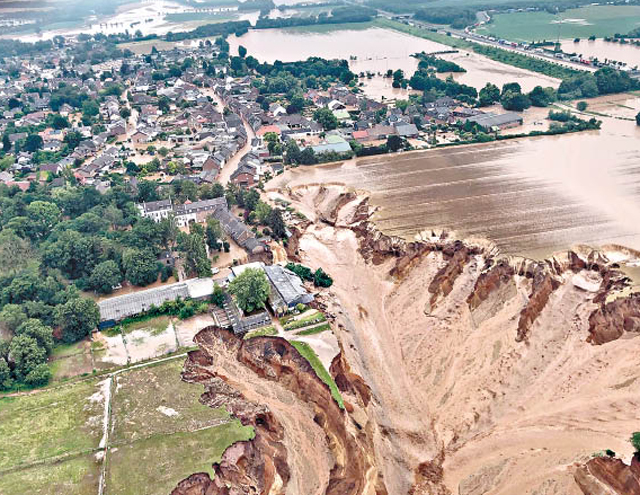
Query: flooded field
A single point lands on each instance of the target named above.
(530, 196)
(601, 49)
(378, 50)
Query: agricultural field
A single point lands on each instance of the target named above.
(604, 20)
(50, 441)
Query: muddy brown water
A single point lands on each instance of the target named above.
(377, 50)
(530, 196)
(628, 53)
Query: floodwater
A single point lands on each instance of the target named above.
(378, 50)
(629, 54)
(530, 196)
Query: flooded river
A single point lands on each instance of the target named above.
(530, 196)
(378, 50)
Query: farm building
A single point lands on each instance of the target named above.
(117, 308)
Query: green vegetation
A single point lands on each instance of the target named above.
(635, 441)
(315, 330)
(308, 353)
(44, 426)
(319, 278)
(262, 332)
(155, 325)
(423, 33)
(598, 20)
(438, 64)
(339, 15)
(76, 476)
(251, 289)
(174, 457)
(311, 319)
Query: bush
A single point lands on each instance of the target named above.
(635, 440)
(582, 106)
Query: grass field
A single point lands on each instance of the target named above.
(262, 332)
(328, 28)
(154, 326)
(160, 434)
(49, 424)
(315, 330)
(77, 476)
(164, 460)
(604, 20)
(69, 360)
(154, 400)
(309, 354)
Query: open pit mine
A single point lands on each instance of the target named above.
(462, 371)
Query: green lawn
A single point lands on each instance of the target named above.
(309, 354)
(51, 423)
(328, 28)
(422, 33)
(154, 400)
(156, 464)
(604, 20)
(316, 330)
(310, 319)
(261, 332)
(69, 360)
(77, 476)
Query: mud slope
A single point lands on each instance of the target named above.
(464, 372)
(483, 359)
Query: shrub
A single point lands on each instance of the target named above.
(635, 440)
(581, 106)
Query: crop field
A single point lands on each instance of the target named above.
(50, 440)
(605, 20)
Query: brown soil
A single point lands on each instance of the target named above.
(465, 372)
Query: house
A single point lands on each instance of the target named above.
(497, 121)
(140, 137)
(407, 130)
(287, 289)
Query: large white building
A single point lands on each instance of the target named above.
(184, 214)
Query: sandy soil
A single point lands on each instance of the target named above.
(142, 344)
(187, 329)
(113, 351)
(511, 417)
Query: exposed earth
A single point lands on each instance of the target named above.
(462, 371)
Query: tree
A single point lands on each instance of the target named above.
(140, 266)
(90, 109)
(326, 119)
(638, 118)
(72, 139)
(251, 289)
(394, 142)
(77, 318)
(307, 157)
(6, 143)
(242, 51)
(541, 97)
(515, 101)
(125, 112)
(291, 152)
(262, 211)
(321, 279)
(59, 122)
(193, 247)
(26, 355)
(5, 375)
(43, 217)
(214, 233)
(15, 252)
(513, 87)
(217, 297)
(36, 329)
(38, 376)
(635, 440)
(581, 106)
(276, 224)
(105, 276)
(33, 143)
(12, 316)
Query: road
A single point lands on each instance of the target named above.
(471, 36)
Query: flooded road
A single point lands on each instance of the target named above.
(531, 196)
(378, 50)
(600, 49)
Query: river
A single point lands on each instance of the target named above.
(602, 50)
(530, 196)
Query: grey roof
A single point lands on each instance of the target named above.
(335, 147)
(407, 130)
(120, 307)
(204, 205)
(288, 285)
(151, 206)
(492, 119)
